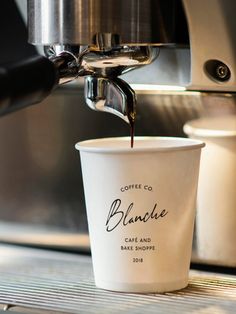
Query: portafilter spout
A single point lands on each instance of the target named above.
(115, 96)
(104, 91)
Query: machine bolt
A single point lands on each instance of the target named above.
(222, 71)
(216, 70)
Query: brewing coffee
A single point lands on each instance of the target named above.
(132, 135)
(131, 117)
(130, 107)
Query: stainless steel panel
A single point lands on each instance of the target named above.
(78, 21)
(44, 280)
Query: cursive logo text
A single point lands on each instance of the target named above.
(117, 216)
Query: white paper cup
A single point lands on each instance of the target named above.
(140, 206)
(216, 202)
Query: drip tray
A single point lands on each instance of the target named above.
(42, 281)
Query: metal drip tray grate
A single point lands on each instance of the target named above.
(40, 281)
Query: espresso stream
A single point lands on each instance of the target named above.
(132, 135)
(131, 116)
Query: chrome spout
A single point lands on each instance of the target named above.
(115, 97)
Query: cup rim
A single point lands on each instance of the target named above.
(178, 143)
(218, 127)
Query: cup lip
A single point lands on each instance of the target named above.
(218, 127)
(187, 144)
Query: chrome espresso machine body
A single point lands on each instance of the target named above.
(110, 49)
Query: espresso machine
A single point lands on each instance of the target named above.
(108, 52)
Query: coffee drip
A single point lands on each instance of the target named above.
(132, 135)
(132, 127)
